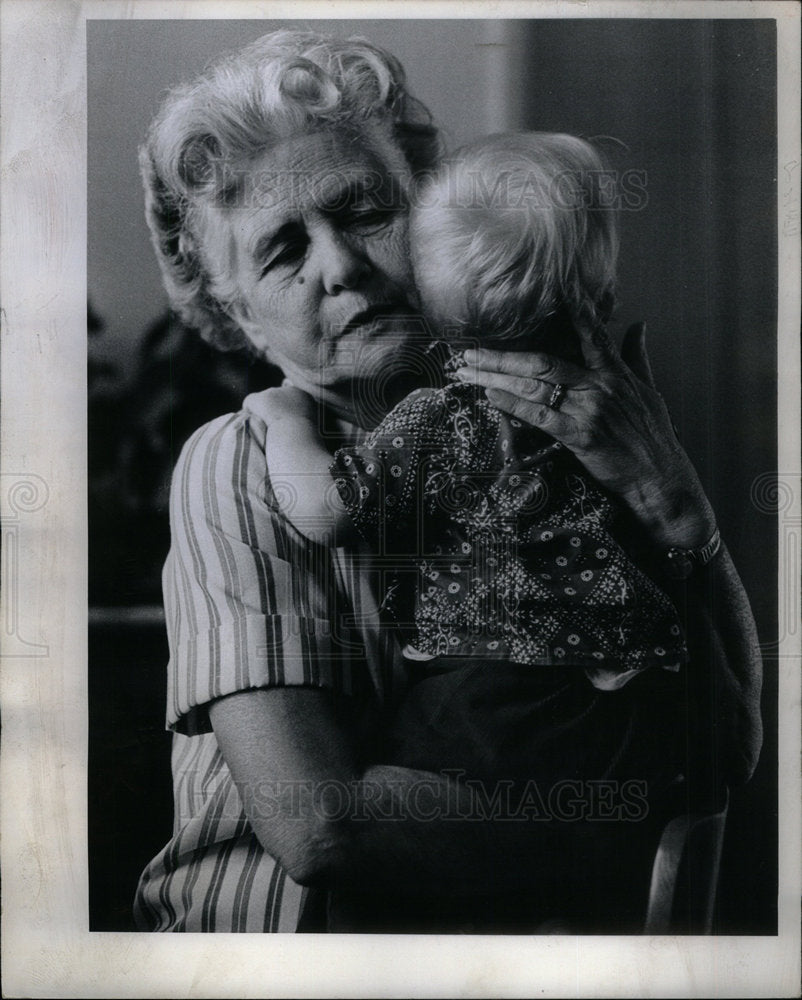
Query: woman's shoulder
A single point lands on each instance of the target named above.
(222, 458)
(219, 436)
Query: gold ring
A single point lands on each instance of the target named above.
(557, 396)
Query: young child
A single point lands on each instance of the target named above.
(498, 545)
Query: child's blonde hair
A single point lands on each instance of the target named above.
(514, 229)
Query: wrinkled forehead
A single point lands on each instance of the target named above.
(298, 179)
(318, 170)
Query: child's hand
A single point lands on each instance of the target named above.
(284, 403)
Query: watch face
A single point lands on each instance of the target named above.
(679, 563)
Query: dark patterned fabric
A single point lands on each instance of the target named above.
(509, 540)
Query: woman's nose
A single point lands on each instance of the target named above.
(344, 264)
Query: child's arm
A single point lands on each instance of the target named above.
(298, 463)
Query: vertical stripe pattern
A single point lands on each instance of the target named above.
(249, 603)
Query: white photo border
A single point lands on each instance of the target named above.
(47, 947)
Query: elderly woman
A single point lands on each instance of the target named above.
(277, 193)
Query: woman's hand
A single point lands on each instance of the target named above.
(612, 418)
(282, 403)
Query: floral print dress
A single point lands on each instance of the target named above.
(498, 544)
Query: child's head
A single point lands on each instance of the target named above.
(512, 230)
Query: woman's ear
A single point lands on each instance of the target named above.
(239, 312)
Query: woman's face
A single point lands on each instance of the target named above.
(318, 246)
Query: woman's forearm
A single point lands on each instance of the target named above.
(334, 823)
(395, 830)
(726, 666)
(414, 832)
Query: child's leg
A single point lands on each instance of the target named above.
(584, 769)
(496, 720)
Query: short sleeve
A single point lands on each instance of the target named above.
(249, 602)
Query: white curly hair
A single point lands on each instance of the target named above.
(286, 83)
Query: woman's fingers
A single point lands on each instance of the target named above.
(531, 366)
(598, 349)
(613, 420)
(554, 422)
(532, 400)
(534, 390)
(633, 353)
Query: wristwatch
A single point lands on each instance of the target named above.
(680, 563)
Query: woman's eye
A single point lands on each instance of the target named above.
(368, 218)
(290, 254)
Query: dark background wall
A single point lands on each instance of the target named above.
(695, 104)
(691, 107)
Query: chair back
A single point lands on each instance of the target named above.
(685, 873)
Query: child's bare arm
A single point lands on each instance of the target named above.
(298, 463)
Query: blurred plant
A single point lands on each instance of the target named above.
(138, 423)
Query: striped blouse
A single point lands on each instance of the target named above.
(250, 603)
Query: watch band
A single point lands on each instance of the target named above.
(680, 563)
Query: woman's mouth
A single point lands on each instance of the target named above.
(377, 316)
